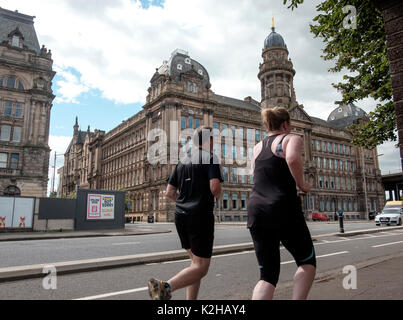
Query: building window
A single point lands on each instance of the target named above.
(17, 134)
(225, 174)
(250, 134)
(197, 123)
(331, 163)
(10, 83)
(183, 122)
(320, 182)
(225, 201)
(224, 130)
(328, 205)
(190, 124)
(224, 150)
(3, 160)
(323, 146)
(19, 110)
(5, 131)
(317, 145)
(20, 85)
(216, 126)
(234, 175)
(14, 161)
(243, 201)
(233, 129)
(15, 41)
(319, 162)
(242, 173)
(334, 148)
(324, 163)
(327, 182)
(332, 182)
(321, 205)
(8, 108)
(235, 202)
(257, 135)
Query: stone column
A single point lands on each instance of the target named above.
(392, 11)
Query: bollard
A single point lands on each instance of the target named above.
(341, 221)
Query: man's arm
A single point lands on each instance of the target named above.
(215, 188)
(171, 192)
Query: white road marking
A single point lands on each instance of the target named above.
(124, 243)
(386, 244)
(107, 295)
(323, 256)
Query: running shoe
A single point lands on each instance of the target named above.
(159, 290)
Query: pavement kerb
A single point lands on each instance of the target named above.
(9, 237)
(34, 271)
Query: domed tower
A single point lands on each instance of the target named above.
(276, 73)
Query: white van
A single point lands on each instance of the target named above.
(391, 214)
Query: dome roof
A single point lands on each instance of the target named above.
(274, 40)
(345, 115)
(179, 63)
(346, 111)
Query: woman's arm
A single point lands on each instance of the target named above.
(293, 155)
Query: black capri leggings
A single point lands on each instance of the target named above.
(295, 237)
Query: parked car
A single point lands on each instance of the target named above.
(391, 214)
(317, 216)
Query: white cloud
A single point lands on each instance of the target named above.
(70, 88)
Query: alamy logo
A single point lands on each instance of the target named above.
(350, 281)
(350, 21)
(50, 281)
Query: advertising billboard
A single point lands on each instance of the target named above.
(100, 207)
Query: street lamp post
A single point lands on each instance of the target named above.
(365, 183)
(54, 171)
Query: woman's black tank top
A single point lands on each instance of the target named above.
(274, 195)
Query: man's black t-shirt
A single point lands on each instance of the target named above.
(191, 177)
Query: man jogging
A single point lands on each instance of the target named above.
(198, 179)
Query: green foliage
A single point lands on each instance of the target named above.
(362, 54)
(71, 195)
(380, 127)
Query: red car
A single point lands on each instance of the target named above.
(317, 216)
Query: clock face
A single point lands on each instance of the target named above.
(187, 61)
(179, 66)
(200, 72)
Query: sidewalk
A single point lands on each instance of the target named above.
(377, 279)
(139, 229)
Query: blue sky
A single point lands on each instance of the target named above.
(105, 53)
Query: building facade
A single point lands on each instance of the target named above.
(132, 156)
(25, 104)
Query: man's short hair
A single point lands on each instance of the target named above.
(202, 134)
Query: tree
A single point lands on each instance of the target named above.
(357, 43)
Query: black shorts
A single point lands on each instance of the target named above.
(295, 237)
(196, 232)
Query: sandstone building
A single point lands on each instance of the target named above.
(25, 103)
(343, 175)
